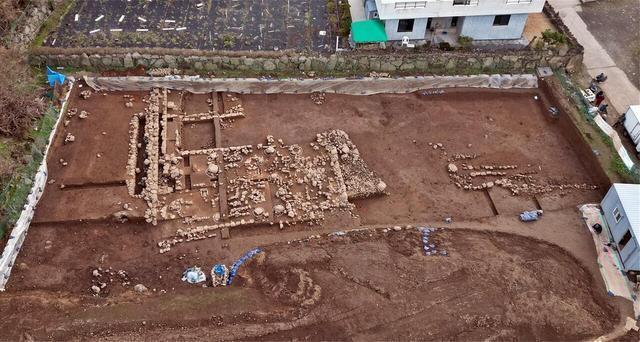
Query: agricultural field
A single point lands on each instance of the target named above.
(196, 24)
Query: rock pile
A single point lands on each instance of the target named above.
(151, 161)
(102, 279)
(359, 181)
(522, 182)
(69, 138)
(132, 170)
(318, 98)
(85, 94)
(157, 72)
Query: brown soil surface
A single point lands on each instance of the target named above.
(392, 133)
(494, 285)
(368, 285)
(629, 336)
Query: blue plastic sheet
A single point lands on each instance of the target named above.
(236, 265)
(54, 77)
(529, 216)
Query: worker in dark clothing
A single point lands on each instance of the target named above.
(603, 108)
(599, 98)
(620, 120)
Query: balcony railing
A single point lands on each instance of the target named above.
(411, 4)
(517, 2)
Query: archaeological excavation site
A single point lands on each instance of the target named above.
(359, 209)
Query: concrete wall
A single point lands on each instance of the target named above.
(481, 27)
(419, 29)
(631, 252)
(445, 8)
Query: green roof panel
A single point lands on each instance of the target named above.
(368, 31)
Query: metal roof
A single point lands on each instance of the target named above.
(368, 31)
(629, 195)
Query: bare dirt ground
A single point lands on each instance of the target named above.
(493, 285)
(367, 285)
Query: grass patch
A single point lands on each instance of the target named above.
(14, 192)
(52, 22)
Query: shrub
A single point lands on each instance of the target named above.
(553, 37)
(19, 106)
(538, 44)
(9, 11)
(228, 41)
(445, 46)
(465, 41)
(345, 19)
(331, 7)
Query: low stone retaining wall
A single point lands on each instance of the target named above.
(434, 62)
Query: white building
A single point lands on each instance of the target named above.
(478, 19)
(621, 209)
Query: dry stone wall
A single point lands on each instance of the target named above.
(434, 62)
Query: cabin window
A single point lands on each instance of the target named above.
(624, 241)
(616, 215)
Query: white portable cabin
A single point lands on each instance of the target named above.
(632, 124)
(621, 209)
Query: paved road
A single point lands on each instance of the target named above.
(618, 88)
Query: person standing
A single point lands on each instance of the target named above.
(599, 98)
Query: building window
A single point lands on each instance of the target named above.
(454, 21)
(465, 2)
(405, 25)
(616, 214)
(411, 4)
(429, 23)
(625, 239)
(501, 20)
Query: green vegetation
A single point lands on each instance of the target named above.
(16, 188)
(539, 44)
(614, 167)
(332, 13)
(22, 130)
(345, 19)
(553, 37)
(228, 41)
(52, 22)
(465, 42)
(445, 46)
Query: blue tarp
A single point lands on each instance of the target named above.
(528, 216)
(54, 77)
(236, 265)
